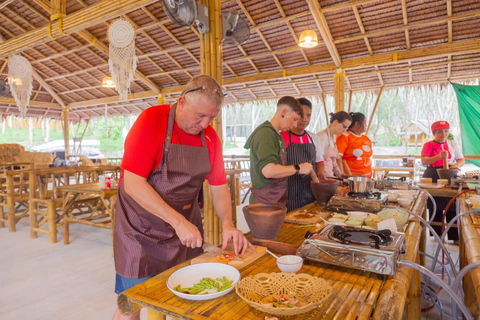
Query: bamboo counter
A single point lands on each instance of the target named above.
(470, 253)
(356, 294)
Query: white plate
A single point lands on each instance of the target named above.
(358, 214)
(430, 186)
(189, 275)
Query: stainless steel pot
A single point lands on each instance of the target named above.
(360, 184)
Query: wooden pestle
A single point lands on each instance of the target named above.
(445, 162)
(314, 177)
(346, 169)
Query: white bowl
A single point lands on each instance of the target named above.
(189, 275)
(290, 263)
(442, 181)
(404, 202)
(474, 200)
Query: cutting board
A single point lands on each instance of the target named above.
(309, 216)
(248, 257)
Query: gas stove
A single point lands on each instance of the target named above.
(370, 250)
(456, 182)
(371, 202)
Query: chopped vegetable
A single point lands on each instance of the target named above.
(205, 284)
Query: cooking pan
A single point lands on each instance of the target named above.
(360, 184)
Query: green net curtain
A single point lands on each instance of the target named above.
(469, 109)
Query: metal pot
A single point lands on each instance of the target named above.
(360, 184)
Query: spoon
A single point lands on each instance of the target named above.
(274, 255)
(325, 221)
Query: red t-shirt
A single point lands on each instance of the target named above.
(144, 145)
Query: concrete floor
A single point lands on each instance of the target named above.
(41, 281)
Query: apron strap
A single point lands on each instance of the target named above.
(168, 141)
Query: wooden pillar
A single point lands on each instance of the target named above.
(339, 90)
(58, 9)
(66, 135)
(211, 64)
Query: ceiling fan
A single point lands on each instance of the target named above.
(235, 30)
(4, 89)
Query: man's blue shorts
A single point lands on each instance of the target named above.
(122, 283)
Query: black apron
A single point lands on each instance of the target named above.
(299, 190)
(144, 244)
(431, 172)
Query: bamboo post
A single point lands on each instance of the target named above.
(58, 9)
(339, 90)
(211, 64)
(350, 101)
(322, 96)
(33, 216)
(374, 109)
(66, 137)
(10, 204)
(52, 221)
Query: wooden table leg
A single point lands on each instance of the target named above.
(423, 238)
(414, 308)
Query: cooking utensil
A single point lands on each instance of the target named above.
(361, 184)
(272, 254)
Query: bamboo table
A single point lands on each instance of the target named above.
(87, 204)
(356, 294)
(470, 253)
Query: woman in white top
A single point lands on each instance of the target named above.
(339, 123)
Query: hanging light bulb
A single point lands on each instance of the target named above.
(107, 82)
(308, 39)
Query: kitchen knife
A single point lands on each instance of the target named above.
(208, 247)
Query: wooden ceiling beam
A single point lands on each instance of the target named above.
(95, 14)
(410, 26)
(41, 104)
(322, 26)
(461, 47)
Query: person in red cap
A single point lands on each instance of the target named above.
(433, 153)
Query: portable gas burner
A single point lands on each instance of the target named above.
(370, 250)
(371, 202)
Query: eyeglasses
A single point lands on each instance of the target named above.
(344, 126)
(210, 90)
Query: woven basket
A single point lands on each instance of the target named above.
(471, 174)
(312, 289)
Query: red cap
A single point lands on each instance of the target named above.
(440, 125)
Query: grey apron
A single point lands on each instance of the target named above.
(144, 244)
(299, 190)
(276, 191)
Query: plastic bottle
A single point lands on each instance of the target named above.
(101, 180)
(416, 171)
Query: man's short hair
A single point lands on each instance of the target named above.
(212, 88)
(305, 102)
(292, 103)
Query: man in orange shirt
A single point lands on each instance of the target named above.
(355, 147)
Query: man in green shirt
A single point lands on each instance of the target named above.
(268, 160)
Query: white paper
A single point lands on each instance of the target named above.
(388, 224)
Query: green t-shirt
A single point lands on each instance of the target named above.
(265, 144)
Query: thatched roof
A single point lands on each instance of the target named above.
(376, 42)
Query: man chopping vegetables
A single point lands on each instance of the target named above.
(169, 152)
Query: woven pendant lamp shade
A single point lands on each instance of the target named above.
(308, 39)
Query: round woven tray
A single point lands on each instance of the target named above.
(312, 289)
